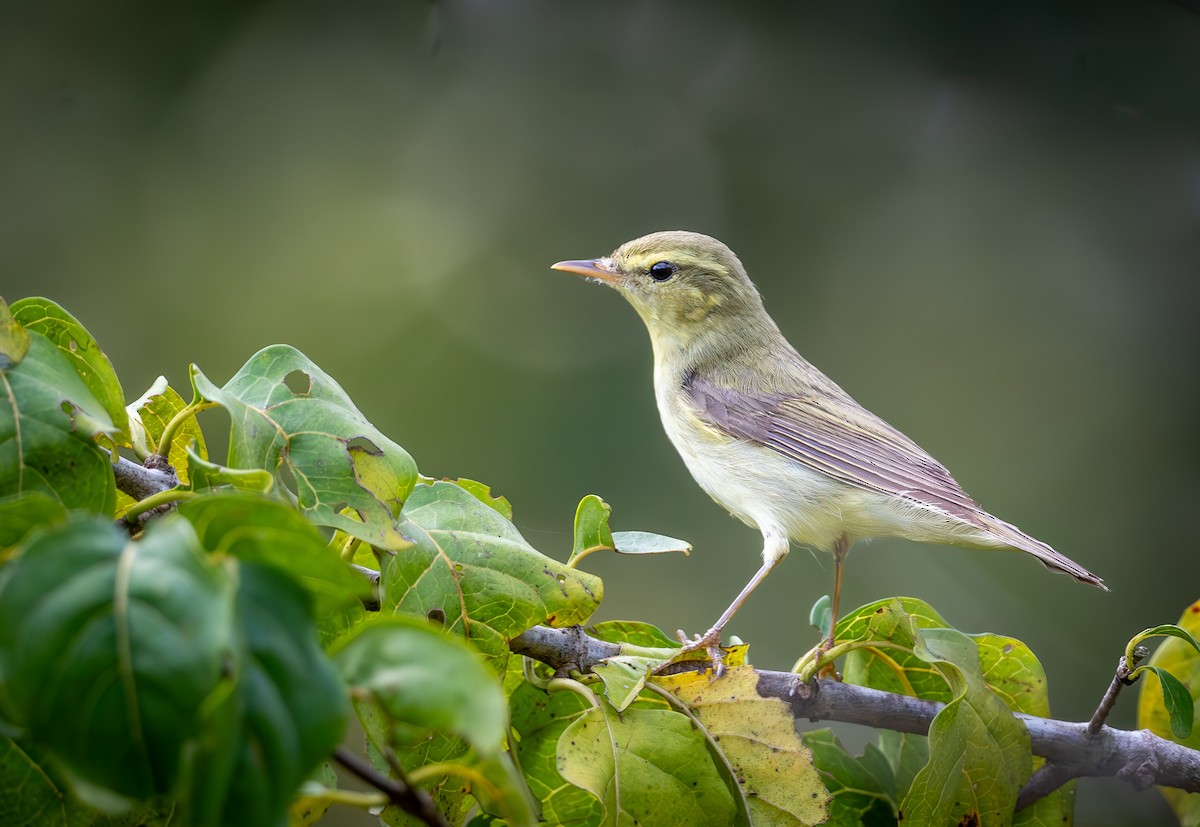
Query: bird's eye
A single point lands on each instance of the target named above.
(661, 271)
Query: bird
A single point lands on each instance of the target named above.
(772, 439)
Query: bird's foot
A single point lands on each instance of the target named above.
(710, 644)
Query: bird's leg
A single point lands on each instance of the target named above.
(841, 547)
(774, 551)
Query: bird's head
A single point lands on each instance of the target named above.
(689, 289)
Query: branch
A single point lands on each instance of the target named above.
(142, 481)
(1070, 749)
(415, 802)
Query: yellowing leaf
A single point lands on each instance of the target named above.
(1179, 658)
(757, 739)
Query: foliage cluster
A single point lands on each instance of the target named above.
(190, 652)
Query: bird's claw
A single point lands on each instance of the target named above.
(710, 644)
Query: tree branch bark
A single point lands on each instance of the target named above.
(1070, 749)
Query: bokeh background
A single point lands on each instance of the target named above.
(983, 220)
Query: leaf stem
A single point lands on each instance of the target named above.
(557, 684)
(810, 662)
(155, 500)
(573, 562)
(350, 798)
(168, 434)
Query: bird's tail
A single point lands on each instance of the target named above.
(1054, 561)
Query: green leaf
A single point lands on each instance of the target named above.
(632, 631)
(643, 542)
(757, 740)
(624, 676)
(483, 493)
(472, 570)
(208, 475)
(289, 707)
(145, 626)
(979, 756)
(1013, 672)
(48, 422)
(34, 793)
(1177, 701)
(505, 794)
(863, 787)
(539, 719)
(14, 339)
(424, 679)
(906, 754)
(592, 534)
(22, 513)
(893, 668)
(591, 527)
(820, 616)
(257, 530)
(290, 417)
(1166, 630)
(646, 766)
(202, 677)
(81, 350)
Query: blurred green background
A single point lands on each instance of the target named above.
(982, 220)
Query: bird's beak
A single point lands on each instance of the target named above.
(595, 268)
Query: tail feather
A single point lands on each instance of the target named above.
(1054, 561)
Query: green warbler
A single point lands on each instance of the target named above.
(770, 437)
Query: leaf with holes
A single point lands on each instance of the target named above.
(48, 424)
(483, 493)
(292, 419)
(472, 570)
(82, 352)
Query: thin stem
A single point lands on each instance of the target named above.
(1122, 678)
(155, 500)
(184, 414)
(411, 800)
(575, 558)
